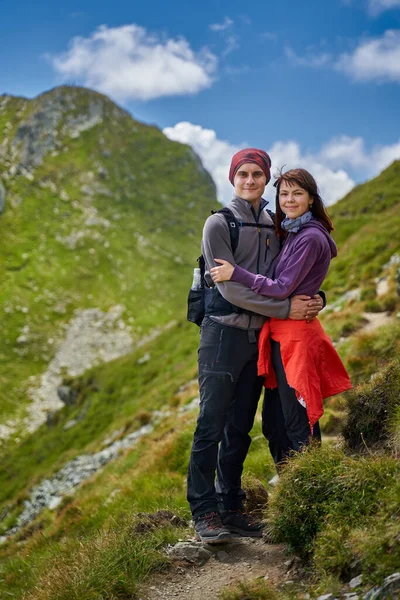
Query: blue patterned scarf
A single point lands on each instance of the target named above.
(294, 225)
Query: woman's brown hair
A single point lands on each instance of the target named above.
(306, 181)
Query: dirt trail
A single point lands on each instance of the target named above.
(376, 320)
(243, 559)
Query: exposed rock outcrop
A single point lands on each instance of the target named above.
(2, 198)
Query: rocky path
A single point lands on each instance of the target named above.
(241, 560)
(376, 320)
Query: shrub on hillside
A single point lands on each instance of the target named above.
(365, 353)
(325, 499)
(373, 419)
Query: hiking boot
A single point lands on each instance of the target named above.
(240, 523)
(209, 528)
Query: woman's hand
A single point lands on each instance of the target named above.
(223, 273)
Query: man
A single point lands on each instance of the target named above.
(229, 385)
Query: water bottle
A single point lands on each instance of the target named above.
(196, 285)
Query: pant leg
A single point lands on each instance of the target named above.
(236, 440)
(295, 415)
(222, 353)
(274, 428)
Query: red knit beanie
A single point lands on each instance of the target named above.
(250, 155)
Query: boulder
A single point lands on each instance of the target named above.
(193, 552)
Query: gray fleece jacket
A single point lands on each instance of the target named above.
(256, 252)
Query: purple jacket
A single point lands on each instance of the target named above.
(301, 266)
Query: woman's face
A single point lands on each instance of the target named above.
(294, 200)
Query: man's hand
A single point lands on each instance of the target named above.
(305, 307)
(223, 273)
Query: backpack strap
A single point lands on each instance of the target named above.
(234, 224)
(271, 214)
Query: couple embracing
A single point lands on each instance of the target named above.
(260, 329)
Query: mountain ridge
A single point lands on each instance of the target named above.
(100, 211)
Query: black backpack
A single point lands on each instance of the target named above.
(196, 298)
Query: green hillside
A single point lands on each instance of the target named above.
(101, 210)
(99, 235)
(367, 226)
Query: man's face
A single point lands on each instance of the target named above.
(249, 182)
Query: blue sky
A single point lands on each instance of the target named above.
(315, 83)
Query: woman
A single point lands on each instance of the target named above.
(296, 356)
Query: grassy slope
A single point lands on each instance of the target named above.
(147, 477)
(367, 222)
(88, 532)
(158, 198)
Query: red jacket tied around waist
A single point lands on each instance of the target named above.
(312, 365)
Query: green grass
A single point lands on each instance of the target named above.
(338, 511)
(372, 421)
(254, 590)
(367, 353)
(157, 202)
(329, 507)
(113, 397)
(150, 476)
(109, 566)
(342, 324)
(366, 223)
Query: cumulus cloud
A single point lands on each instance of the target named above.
(215, 154)
(345, 151)
(377, 6)
(227, 22)
(374, 59)
(333, 183)
(333, 165)
(128, 63)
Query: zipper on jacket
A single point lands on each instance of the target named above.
(266, 248)
(257, 219)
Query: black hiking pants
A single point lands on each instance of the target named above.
(229, 392)
(284, 420)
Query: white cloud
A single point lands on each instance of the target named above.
(375, 59)
(309, 60)
(127, 63)
(215, 154)
(377, 6)
(332, 166)
(232, 44)
(334, 184)
(345, 151)
(227, 22)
